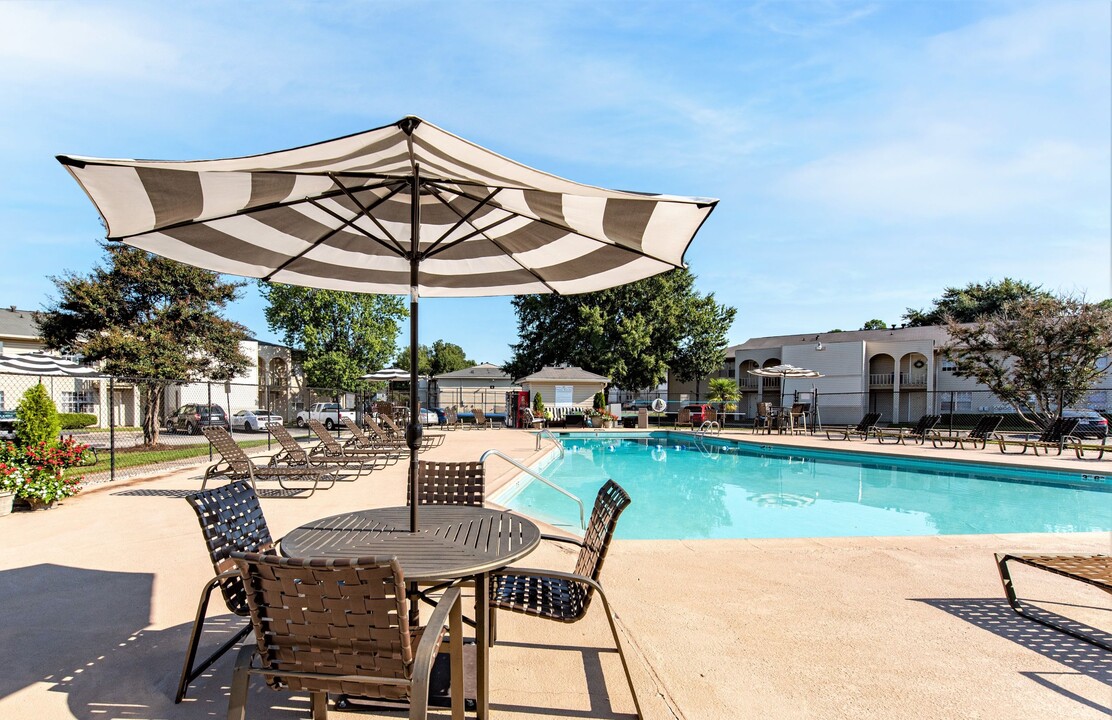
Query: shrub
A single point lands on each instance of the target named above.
(38, 472)
(600, 401)
(538, 405)
(38, 418)
(76, 421)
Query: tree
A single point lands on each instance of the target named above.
(149, 318)
(424, 360)
(722, 390)
(447, 357)
(703, 349)
(874, 324)
(974, 301)
(1039, 354)
(631, 333)
(38, 418)
(343, 334)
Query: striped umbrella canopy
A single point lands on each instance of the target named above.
(386, 374)
(44, 365)
(786, 371)
(407, 208)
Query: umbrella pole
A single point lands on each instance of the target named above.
(413, 430)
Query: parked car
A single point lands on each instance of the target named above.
(327, 413)
(191, 418)
(7, 424)
(638, 404)
(254, 420)
(699, 413)
(1092, 424)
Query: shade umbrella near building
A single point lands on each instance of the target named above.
(407, 208)
(791, 372)
(386, 375)
(44, 366)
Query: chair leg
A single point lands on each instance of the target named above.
(455, 647)
(188, 672)
(237, 698)
(621, 652)
(318, 705)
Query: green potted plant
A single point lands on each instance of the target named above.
(34, 467)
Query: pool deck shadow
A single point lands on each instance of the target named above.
(862, 628)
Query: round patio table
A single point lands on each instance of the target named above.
(452, 542)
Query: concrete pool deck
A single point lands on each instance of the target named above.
(101, 591)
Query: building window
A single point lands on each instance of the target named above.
(77, 402)
(962, 402)
(947, 365)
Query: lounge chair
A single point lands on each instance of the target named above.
(862, 430)
(231, 519)
(918, 434)
(342, 626)
(982, 432)
(235, 465)
(683, 418)
(378, 438)
(481, 420)
(563, 596)
(428, 439)
(1095, 570)
(451, 418)
(329, 446)
(293, 455)
(1057, 435)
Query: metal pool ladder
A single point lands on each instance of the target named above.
(546, 433)
(542, 478)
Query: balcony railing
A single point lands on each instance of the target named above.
(882, 378)
(913, 379)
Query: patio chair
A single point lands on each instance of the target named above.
(428, 439)
(451, 418)
(1058, 435)
(342, 626)
(481, 420)
(862, 430)
(235, 465)
(919, 434)
(982, 432)
(563, 596)
(763, 418)
(231, 519)
(532, 421)
(683, 418)
(449, 483)
(378, 438)
(329, 446)
(293, 455)
(1095, 570)
(797, 417)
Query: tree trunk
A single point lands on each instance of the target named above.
(152, 407)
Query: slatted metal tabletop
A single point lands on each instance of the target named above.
(452, 542)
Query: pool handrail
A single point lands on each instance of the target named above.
(545, 432)
(542, 478)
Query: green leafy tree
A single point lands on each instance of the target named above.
(424, 359)
(974, 301)
(631, 333)
(446, 357)
(1039, 353)
(702, 349)
(874, 324)
(149, 318)
(38, 418)
(343, 334)
(722, 390)
(538, 405)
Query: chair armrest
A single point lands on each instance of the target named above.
(555, 574)
(557, 538)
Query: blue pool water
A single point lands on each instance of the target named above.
(719, 489)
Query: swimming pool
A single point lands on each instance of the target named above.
(720, 489)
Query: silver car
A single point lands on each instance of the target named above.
(254, 420)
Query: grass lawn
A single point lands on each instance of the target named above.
(137, 458)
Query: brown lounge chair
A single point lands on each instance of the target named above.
(862, 430)
(481, 420)
(293, 455)
(982, 432)
(342, 626)
(231, 519)
(378, 439)
(236, 465)
(918, 434)
(1095, 570)
(683, 418)
(330, 446)
(563, 596)
(428, 439)
(1057, 436)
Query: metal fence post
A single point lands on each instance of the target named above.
(266, 389)
(208, 386)
(111, 429)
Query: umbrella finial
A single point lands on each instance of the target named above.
(409, 123)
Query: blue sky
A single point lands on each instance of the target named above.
(866, 155)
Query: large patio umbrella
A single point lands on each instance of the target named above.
(44, 365)
(386, 375)
(407, 208)
(788, 372)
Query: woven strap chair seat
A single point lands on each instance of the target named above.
(552, 598)
(449, 483)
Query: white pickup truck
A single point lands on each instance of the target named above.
(327, 413)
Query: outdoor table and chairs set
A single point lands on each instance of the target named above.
(335, 605)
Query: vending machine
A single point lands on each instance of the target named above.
(516, 403)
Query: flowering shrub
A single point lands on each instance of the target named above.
(38, 472)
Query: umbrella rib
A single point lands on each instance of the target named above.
(434, 250)
(496, 244)
(366, 211)
(247, 211)
(558, 226)
(461, 221)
